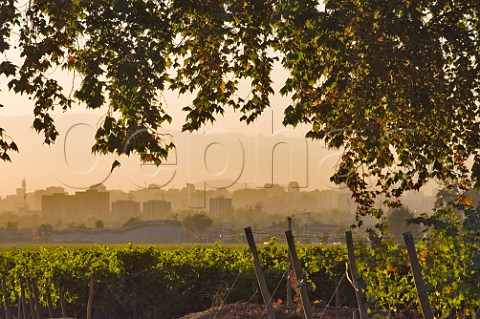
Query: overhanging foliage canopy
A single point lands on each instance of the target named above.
(393, 82)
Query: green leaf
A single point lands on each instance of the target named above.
(115, 164)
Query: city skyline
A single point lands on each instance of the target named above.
(214, 154)
(274, 198)
(211, 155)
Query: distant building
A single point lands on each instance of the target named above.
(38, 194)
(89, 203)
(16, 203)
(197, 200)
(293, 187)
(54, 205)
(99, 187)
(125, 207)
(22, 198)
(156, 209)
(21, 192)
(220, 205)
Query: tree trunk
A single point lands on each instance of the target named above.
(20, 312)
(49, 301)
(63, 303)
(90, 297)
(8, 313)
(23, 298)
(31, 303)
(36, 300)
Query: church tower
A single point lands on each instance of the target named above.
(22, 191)
(22, 198)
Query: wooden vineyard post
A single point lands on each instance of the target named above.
(417, 276)
(338, 296)
(355, 277)
(262, 283)
(307, 309)
(289, 282)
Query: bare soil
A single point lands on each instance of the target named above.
(245, 310)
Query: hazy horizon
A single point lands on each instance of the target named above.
(224, 150)
(214, 154)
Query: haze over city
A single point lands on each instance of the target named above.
(259, 174)
(231, 158)
(222, 160)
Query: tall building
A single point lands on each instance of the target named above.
(21, 191)
(220, 205)
(82, 204)
(38, 195)
(22, 198)
(91, 202)
(197, 200)
(125, 207)
(55, 205)
(156, 209)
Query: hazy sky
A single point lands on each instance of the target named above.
(227, 151)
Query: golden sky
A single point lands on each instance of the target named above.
(222, 153)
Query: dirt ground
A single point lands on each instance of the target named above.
(245, 310)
